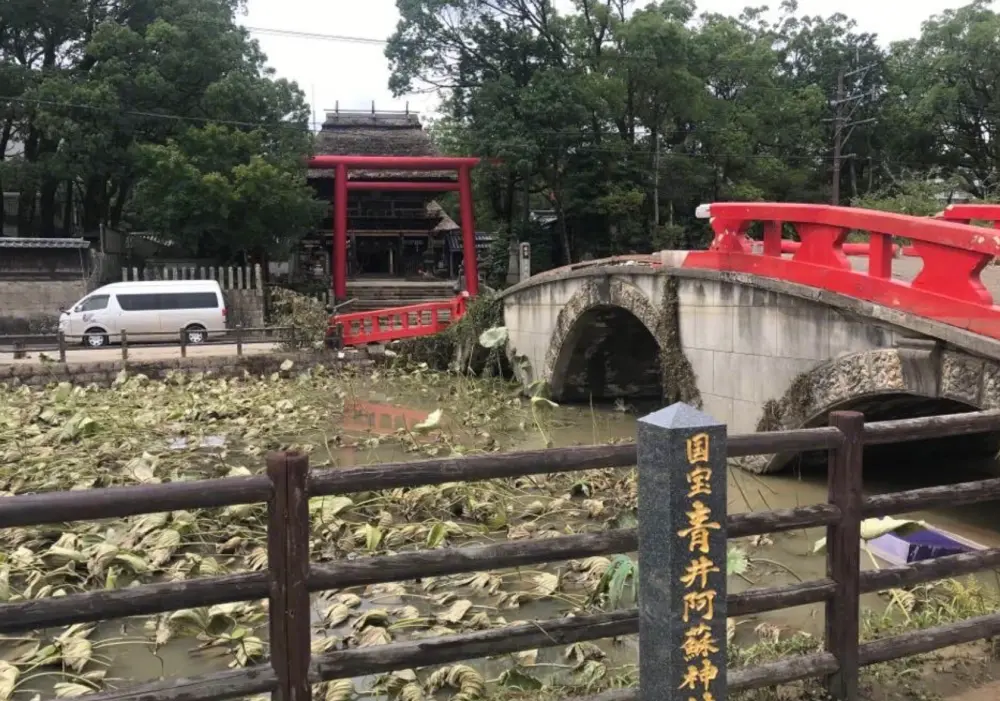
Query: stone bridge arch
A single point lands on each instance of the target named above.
(916, 378)
(610, 331)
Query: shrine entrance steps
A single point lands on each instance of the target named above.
(384, 293)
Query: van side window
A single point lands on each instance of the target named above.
(93, 303)
(190, 300)
(139, 303)
(167, 301)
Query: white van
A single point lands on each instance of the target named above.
(147, 311)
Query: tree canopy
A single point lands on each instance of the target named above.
(157, 113)
(624, 118)
(619, 116)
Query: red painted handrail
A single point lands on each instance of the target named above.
(851, 249)
(967, 213)
(948, 287)
(395, 323)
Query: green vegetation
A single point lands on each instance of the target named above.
(160, 116)
(306, 318)
(921, 677)
(619, 117)
(458, 347)
(195, 427)
(591, 108)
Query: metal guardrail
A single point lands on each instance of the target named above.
(20, 344)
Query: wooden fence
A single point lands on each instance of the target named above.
(242, 285)
(290, 577)
(232, 277)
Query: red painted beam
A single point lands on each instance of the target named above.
(394, 162)
(394, 186)
(468, 224)
(340, 234)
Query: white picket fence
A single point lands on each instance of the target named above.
(242, 284)
(233, 277)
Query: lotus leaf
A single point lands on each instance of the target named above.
(9, 675)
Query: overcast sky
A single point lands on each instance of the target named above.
(355, 73)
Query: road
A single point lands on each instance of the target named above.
(139, 353)
(906, 269)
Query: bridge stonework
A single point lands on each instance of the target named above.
(755, 353)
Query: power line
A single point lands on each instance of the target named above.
(151, 115)
(315, 35)
(605, 58)
(624, 149)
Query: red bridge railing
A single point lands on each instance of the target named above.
(948, 288)
(851, 249)
(967, 213)
(396, 323)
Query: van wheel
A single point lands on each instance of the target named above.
(95, 338)
(195, 334)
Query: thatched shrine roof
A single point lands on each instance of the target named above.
(376, 134)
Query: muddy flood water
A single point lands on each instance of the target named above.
(773, 560)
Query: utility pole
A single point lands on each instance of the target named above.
(841, 122)
(838, 142)
(656, 181)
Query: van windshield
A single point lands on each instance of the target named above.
(93, 303)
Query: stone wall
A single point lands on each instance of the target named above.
(32, 306)
(245, 308)
(104, 373)
(747, 345)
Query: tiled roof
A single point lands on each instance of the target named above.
(14, 242)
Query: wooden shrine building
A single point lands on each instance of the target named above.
(392, 225)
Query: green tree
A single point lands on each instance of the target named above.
(224, 193)
(945, 95)
(914, 195)
(98, 83)
(624, 119)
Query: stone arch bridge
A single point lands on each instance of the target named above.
(777, 336)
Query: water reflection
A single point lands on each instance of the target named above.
(380, 418)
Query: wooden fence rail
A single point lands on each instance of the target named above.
(289, 579)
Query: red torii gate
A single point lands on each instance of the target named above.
(342, 164)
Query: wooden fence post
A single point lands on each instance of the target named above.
(184, 343)
(288, 568)
(843, 563)
(239, 340)
(124, 342)
(682, 555)
(61, 337)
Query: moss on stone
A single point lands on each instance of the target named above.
(680, 384)
(770, 416)
(793, 407)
